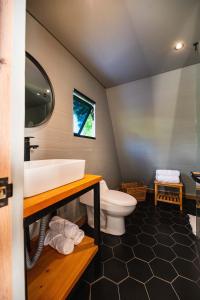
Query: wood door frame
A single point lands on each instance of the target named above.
(6, 21)
(12, 83)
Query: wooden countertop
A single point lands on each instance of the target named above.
(38, 202)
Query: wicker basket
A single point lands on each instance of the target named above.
(135, 189)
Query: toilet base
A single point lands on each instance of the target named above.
(113, 225)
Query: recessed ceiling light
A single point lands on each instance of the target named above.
(38, 94)
(179, 45)
(48, 91)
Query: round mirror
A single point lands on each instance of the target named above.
(39, 96)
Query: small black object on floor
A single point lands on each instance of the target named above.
(157, 258)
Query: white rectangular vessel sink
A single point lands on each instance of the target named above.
(44, 175)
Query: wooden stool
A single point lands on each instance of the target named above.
(173, 198)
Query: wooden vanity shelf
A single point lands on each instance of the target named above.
(169, 197)
(54, 275)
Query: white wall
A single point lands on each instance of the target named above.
(156, 124)
(55, 138)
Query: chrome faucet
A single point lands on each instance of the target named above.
(28, 147)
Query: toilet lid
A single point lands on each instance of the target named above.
(118, 198)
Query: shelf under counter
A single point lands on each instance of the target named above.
(54, 275)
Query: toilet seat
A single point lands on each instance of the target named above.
(118, 198)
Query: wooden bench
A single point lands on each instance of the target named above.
(168, 197)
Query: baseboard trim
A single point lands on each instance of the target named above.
(186, 196)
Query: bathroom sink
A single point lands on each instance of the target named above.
(44, 175)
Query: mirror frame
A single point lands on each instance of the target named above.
(41, 69)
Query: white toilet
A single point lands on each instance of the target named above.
(115, 205)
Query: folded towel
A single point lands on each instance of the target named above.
(60, 243)
(67, 228)
(168, 172)
(168, 179)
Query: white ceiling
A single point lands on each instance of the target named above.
(123, 40)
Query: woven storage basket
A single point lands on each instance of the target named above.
(135, 189)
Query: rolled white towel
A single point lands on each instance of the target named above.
(67, 228)
(79, 237)
(168, 179)
(168, 172)
(70, 229)
(56, 224)
(60, 225)
(60, 243)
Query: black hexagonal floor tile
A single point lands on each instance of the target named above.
(180, 220)
(164, 239)
(137, 221)
(139, 270)
(129, 239)
(198, 283)
(105, 252)
(186, 269)
(152, 208)
(166, 214)
(140, 214)
(146, 239)
(142, 207)
(128, 221)
(164, 228)
(151, 220)
(186, 289)
(184, 252)
(150, 229)
(180, 228)
(181, 239)
(164, 252)
(163, 269)
(195, 248)
(159, 289)
(197, 262)
(94, 271)
(104, 289)
(144, 252)
(132, 289)
(192, 236)
(115, 270)
(164, 207)
(171, 259)
(123, 252)
(111, 240)
(163, 220)
(133, 229)
(81, 291)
